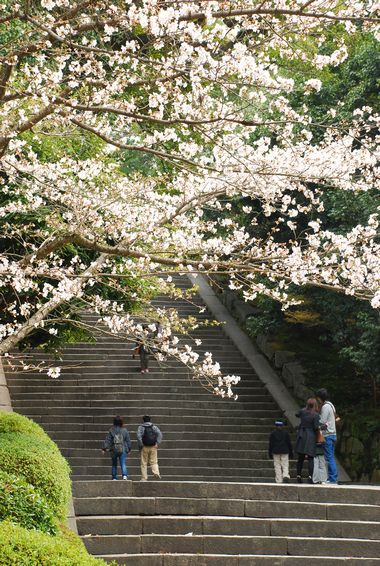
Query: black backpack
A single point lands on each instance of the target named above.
(150, 436)
(118, 442)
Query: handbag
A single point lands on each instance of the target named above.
(320, 439)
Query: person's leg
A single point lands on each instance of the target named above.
(142, 360)
(114, 466)
(277, 467)
(123, 465)
(285, 466)
(153, 459)
(329, 447)
(144, 463)
(300, 461)
(310, 467)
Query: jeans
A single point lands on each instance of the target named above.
(329, 447)
(123, 464)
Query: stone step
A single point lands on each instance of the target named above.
(165, 421)
(188, 559)
(181, 459)
(224, 507)
(134, 391)
(174, 469)
(182, 478)
(211, 525)
(223, 433)
(173, 453)
(125, 355)
(131, 403)
(238, 413)
(174, 445)
(213, 544)
(355, 494)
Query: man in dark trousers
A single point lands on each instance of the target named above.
(118, 443)
(149, 437)
(280, 449)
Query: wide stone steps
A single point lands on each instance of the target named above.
(135, 523)
(224, 525)
(179, 559)
(217, 504)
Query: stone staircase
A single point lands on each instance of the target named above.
(214, 505)
(199, 523)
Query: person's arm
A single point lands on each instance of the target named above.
(139, 435)
(289, 445)
(316, 423)
(270, 448)
(323, 417)
(108, 441)
(159, 434)
(127, 440)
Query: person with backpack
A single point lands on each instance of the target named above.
(328, 419)
(118, 443)
(280, 449)
(149, 437)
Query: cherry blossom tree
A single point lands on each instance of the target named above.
(126, 129)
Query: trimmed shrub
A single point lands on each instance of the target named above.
(21, 547)
(14, 422)
(27, 451)
(21, 503)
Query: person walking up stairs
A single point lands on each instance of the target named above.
(149, 437)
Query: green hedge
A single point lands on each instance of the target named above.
(20, 547)
(14, 422)
(27, 451)
(21, 503)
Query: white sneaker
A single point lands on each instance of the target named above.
(143, 480)
(125, 477)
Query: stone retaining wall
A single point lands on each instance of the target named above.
(361, 459)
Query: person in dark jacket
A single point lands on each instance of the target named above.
(307, 438)
(118, 443)
(280, 449)
(149, 438)
(142, 350)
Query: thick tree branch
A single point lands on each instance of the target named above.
(5, 75)
(142, 149)
(200, 16)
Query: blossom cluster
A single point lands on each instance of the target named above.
(128, 129)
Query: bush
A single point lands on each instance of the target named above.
(21, 503)
(27, 451)
(13, 422)
(21, 547)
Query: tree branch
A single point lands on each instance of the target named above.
(200, 16)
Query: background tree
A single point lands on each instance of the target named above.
(202, 92)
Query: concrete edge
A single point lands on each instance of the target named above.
(259, 363)
(6, 405)
(5, 398)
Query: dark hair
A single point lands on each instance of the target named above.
(312, 405)
(117, 421)
(322, 394)
(146, 419)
